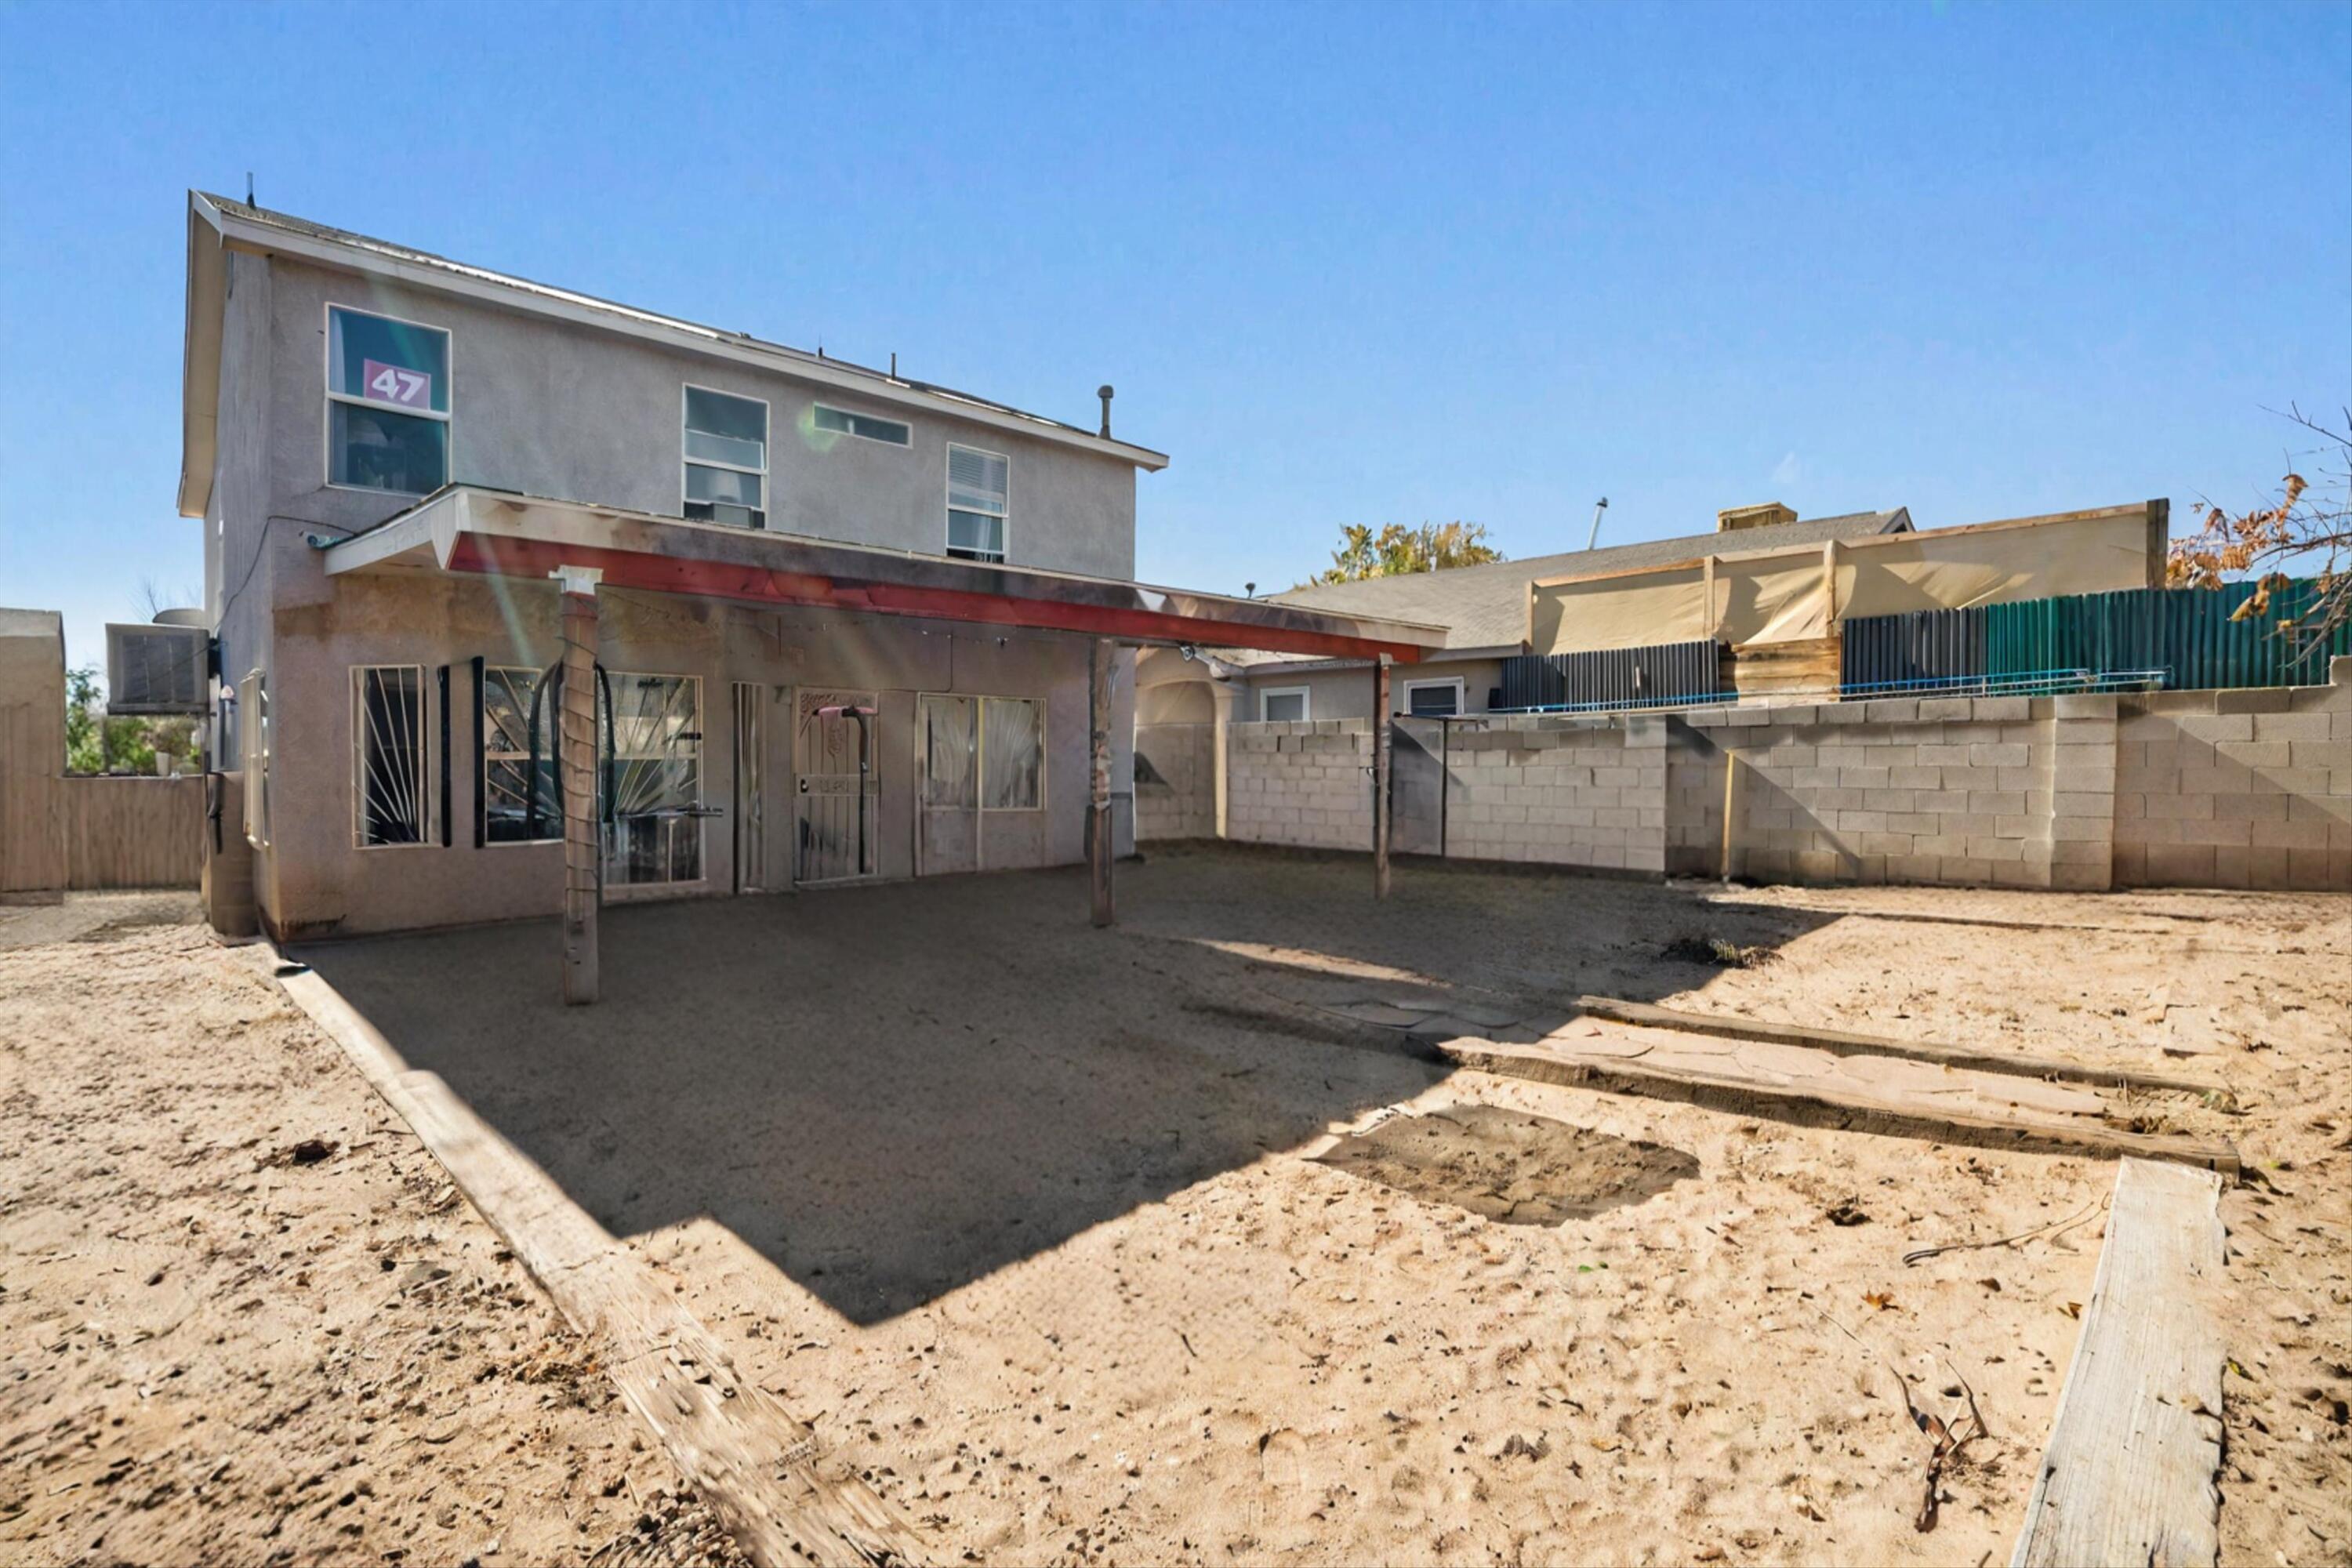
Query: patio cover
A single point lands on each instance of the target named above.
(466, 528)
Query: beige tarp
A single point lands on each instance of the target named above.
(1780, 596)
(1771, 598)
(1956, 570)
(1632, 611)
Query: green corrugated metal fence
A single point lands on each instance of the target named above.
(2187, 633)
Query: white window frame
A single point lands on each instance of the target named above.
(1461, 696)
(424, 761)
(947, 494)
(980, 762)
(1306, 695)
(253, 754)
(767, 455)
(448, 417)
(906, 445)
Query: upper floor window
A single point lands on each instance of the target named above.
(726, 458)
(888, 431)
(980, 486)
(387, 403)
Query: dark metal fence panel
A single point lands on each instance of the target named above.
(1666, 675)
(1891, 651)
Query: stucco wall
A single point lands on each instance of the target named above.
(562, 410)
(314, 879)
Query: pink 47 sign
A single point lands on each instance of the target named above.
(381, 383)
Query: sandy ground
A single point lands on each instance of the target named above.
(1042, 1225)
(218, 1345)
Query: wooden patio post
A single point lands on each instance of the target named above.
(1381, 776)
(1098, 824)
(576, 766)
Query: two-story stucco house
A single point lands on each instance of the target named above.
(826, 623)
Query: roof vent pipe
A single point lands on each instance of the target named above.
(1598, 508)
(1103, 392)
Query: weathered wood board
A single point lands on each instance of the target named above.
(758, 1466)
(1844, 1044)
(1872, 1094)
(2136, 1444)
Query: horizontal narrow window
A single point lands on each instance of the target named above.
(726, 448)
(387, 403)
(388, 754)
(1282, 705)
(840, 420)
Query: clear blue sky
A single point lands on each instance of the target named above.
(1367, 263)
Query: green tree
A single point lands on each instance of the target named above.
(1397, 550)
(94, 743)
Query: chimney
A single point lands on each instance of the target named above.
(1771, 514)
(1105, 394)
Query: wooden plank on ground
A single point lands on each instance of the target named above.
(758, 1466)
(1816, 1088)
(1848, 1044)
(2136, 1444)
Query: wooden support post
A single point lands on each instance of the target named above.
(1730, 806)
(1099, 835)
(576, 766)
(1381, 776)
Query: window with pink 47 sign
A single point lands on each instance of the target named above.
(395, 384)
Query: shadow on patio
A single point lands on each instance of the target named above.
(892, 1092)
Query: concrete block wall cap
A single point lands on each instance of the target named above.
(2339, 671)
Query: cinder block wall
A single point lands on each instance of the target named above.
(2236, 789)
(2008, 791)
(1302, 784)
(2223, 789)
(1182, 803)
(1560, 790)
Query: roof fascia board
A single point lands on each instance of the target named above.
(263, 239)
(439, 520)
(200, 352)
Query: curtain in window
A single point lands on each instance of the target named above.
(950, 776)
(1013, 738)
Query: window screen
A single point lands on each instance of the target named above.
(979, 502)
(726, 446)
(1434, 701)
(387, 403)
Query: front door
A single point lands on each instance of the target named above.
(836, 794)
(946, 808)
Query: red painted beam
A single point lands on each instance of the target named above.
(722, 580)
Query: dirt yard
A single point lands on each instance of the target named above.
(245, 1318)
(1098, 1247)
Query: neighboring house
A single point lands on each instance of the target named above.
(842, 623)
(1756, 608)
(1484, 610)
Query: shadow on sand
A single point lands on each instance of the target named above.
(892, 1092)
